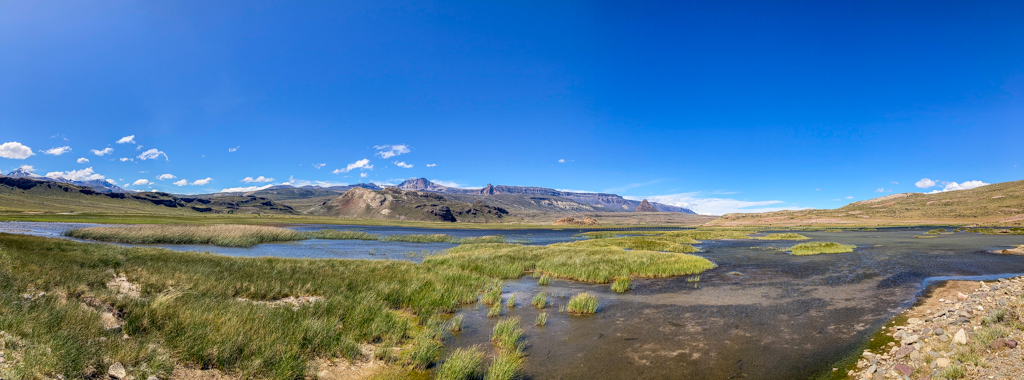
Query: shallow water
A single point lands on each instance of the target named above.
(329, 249)
(783, 317)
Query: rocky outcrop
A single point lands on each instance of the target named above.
(963, 329)
(570, 221)
(645, 207)
(601, 201)
(396, 204)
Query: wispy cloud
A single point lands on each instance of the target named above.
(953, 186)
(86, 174)
(126, 159)
(561, 160)
(260, 179)
(152, 154)
(202, 182)
(140, 182)
(58, 150)
(849, 197)
(234, 149)
(388, 151)
(104, 152)
(301, 182)
(403, 165)
(165, 176)
(244, 189)
(82, 160)
(431, 165)
(318, 166)
(364, 175)
(27, 168)
(182, 182)
(130, 139)
(711, 205)
(363, 164)
(15, 150)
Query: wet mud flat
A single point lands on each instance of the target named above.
(762, 314)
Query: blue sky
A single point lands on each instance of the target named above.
(722, 106)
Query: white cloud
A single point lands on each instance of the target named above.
(301, 182)
(152, 154)
(139, 147)
(15, 150)
(561, 160)
(924, 183)
(166, 176)
(446, 183)
(76, 175)
(880, 190)
(363, 164)
(58, 150)
(895, 183)
(318, 166)
(83, 160)
(27, 168)
(104, 152)
(130, 139)
(849, 197)
(364, 175)
(126, 159)
(388, 151)
(182, 182)
(431, 165)
(260, 179)
(244, 189)
(234, 149)
(140, 182)
(953, 186)
(712, 206)
(202, 182)
(402, 164)
(818, 189)
(112, 182)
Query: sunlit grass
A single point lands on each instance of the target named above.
(582, 304)
(507, 335)
(462, 364)
(621, 285)
(540, 300)
(542, 319)
(815, 248)
(223, 235)
(783, 236)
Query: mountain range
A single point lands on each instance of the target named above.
(98, 185)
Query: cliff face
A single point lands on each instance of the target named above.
(645, 207)
(600, 201)
(396, 204)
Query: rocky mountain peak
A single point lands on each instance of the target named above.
(489, 190)
(645, 206)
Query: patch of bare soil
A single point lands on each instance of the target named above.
(122, 286)
(293, 302)
(341, 369)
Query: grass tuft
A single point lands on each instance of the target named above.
(507, 335)
(582, 304)
(462, 364)
(542, 319)
(784, 236)
(621, 285)
(507, 365)
(814, 248)
(544, 280)
(540, 300)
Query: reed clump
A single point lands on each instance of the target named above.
(542, 319)
(815, 248)
(540, 300)
(582, 304)
(621, 285)
(507, 335)
(462, 364)
(225, 235)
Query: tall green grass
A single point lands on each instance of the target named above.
(621, 285)
(815, 248)
(507, 335)
(582, 304)
(462, 364)
(597, 265)
(540, 300)
(223, 235)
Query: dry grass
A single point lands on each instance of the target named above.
(227, 235)
(815, 248)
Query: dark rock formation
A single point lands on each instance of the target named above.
(645, 207)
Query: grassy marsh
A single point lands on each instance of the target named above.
(597, 265)
(621, 285)
(783, 236)
(815, 248)
(462, 364)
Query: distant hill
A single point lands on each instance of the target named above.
(396, 204)
(45, 195)
(597, 201)
(997, 204)
(98, 185)
(645, 207)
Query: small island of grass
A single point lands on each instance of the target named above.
(783, 236)
(815, 248)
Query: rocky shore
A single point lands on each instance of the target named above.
(962, 330)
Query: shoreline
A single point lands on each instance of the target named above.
(958, 327)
